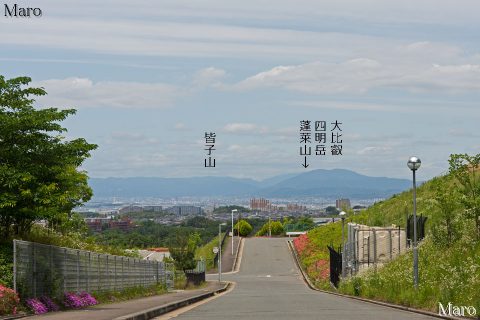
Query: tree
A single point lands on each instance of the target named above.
(445, 230)
(39, 175)
(183, 250)
(330, 210)
(244, 228)
(275, 227)
(464, 168)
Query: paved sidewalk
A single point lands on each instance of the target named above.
(120, 309)
(227, 258)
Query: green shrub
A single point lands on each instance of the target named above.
(243, 228)
(129, 293)
(275, 227)
(6, 264)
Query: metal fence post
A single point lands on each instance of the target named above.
(88, 271)
(123, 274)
(390, 243)
(34, 275)
(144, 273)
(78, 270)
(375, 249)
(98, 271)
(114, 273)
(368, 250)
(15, 265)
(64, 270)
(107, 276)
(399, 240)
(50, 253)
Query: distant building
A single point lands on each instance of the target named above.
(130, 208)
(96, 224)
(153, 208)
(260, 204)
(184, 210)
(343, 204)
(124, 225)
(295, 207)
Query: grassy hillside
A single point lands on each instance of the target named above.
(449, 256)
(206, 251)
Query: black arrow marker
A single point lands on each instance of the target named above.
(305, 165)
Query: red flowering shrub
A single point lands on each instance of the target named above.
(9, 301)
(301, 243)
(323, 269)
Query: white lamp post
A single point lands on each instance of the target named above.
(342, 215)
(414, 164)
(234, 210)
(220, 251)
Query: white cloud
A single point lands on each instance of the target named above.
(245, 128)
(180, 126)
(84, 93)
(372, 150)
(363, 74)
(340, 105)
(209, 77)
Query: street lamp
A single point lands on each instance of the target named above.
(220, 251)
(269, 226)
(342, 215)
(414, 164)
(234, 210)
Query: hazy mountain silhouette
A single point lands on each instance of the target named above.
(321, 183)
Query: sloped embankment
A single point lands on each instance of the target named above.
(449, 271)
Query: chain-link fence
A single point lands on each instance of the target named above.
(371, 246)
(50, 270)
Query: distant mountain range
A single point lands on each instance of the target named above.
(322, 183)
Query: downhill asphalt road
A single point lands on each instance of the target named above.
(269, 286)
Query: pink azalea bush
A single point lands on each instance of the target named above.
(9, 301)
(88, 299)
(49, 303)
(36, 305)
(76, 301)
(71, 300)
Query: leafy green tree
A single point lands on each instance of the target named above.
(445, 230)
(331, 210)
(183, 250)
(39, 175)
(464, 168)
(243, 228)
(275, 227)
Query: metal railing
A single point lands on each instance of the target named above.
(41, 269)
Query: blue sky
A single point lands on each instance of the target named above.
(149, 78)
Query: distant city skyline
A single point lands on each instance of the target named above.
(150, 78)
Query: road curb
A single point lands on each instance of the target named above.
(385, 304)
(237, 261)
(160, 310)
